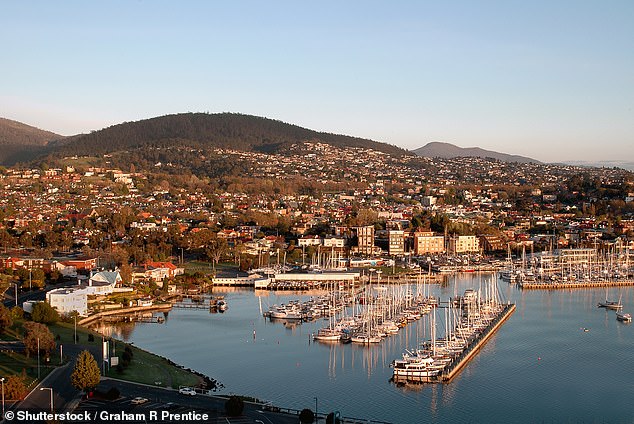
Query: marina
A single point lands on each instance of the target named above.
(526, 361)
(426, 370)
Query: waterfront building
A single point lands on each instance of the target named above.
(464, 244)
(69, 299)
(365, 239)
(306, 241)
(490, 243)
(336, 242)
(396, 242)
(426, 242)
(577, 256)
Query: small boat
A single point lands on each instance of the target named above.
(222, 305)
(327, 335)
(625, 317)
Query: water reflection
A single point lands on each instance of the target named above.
(355, 379)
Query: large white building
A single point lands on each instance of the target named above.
(69, 299)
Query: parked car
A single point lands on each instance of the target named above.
(187, 391)
(138, 400)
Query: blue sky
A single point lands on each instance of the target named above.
(553, 80)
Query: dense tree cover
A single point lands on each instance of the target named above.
(86, 374)
(223, 130)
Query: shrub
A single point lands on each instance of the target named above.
(234, 406)
(332, 419)
(307, 416)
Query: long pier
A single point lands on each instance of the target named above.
(162, 307)
(454, 367)
(574, 285)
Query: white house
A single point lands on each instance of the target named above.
(69, 299)
(104, 282)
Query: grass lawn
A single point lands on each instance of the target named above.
(13, 363)
(148, 368)
(66, 330)
(144, 368)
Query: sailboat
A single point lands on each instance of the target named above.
(609, 304)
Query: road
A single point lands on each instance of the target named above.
(160, 400)
(65, 398)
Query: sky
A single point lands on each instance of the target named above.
(552, 80)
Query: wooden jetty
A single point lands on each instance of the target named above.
(559, 285)
(133, 318)
(159, 307)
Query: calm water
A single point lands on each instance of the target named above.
(540, 367)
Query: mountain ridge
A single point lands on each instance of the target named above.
(223, 130)
(20, 141)
(449, 151)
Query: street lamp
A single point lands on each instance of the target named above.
(2, 381)
(316, 419)
(51, 390)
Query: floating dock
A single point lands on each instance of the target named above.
(574, 285)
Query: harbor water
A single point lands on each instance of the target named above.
(558, 359)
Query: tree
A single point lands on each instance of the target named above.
(234, 406)
(14, 387)
(38, 278)
(17, 312)
(44, 313)
(86, 374)
(333, 418)
(306, 416)
(35, 334)
(214, 250)
(6, 319)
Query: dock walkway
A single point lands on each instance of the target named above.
(574, 285)
(454, 367)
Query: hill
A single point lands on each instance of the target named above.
(20, 142)
(448, 151)
(223, 130)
